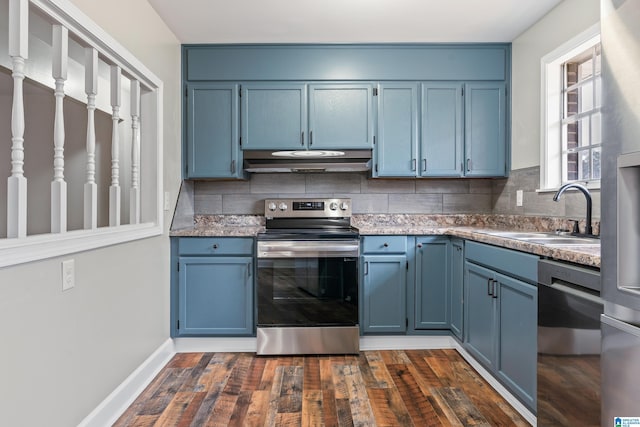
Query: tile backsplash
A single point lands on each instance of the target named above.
(392, 196)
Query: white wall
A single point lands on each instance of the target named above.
(63, 353)
(568, 19)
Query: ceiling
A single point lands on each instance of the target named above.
(349, 21)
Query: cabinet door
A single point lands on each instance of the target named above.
(212, 149)
(441, 142)
(341, 116)
(384, 289)
(480, 332)
(517, 343)
(431, 303)
(274, 116)
(397, 142)
(215, 296)
(456, 287)
(485, 115)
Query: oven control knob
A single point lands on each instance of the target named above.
(333, 206)
(283, 206)
(344, 206)
(272, 206)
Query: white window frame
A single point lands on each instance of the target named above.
(15, 251)
(551, 107)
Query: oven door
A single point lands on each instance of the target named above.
(307, 283)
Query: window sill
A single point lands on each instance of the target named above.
(589, 185)
(44, 246)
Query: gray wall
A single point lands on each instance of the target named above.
(565, 21)
(63, 353)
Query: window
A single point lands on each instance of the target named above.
(571, 113)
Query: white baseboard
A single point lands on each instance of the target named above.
(114, 405)
(212, 345)
(406, 342)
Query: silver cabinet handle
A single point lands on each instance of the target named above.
(424, 164)
(310, 138)
(233, 166)
(413, 164)
(489, 291)
(366, 268)
(494, 292)
(302, 138)
(468, 164)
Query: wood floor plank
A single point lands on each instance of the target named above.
(361, 411)
(311, 374)
(240, 410)
(191, 384)
(185, 360)
(266, 382)
(464, 409)
(312, 408)
(291, 390)
(254, 375)
(238, 374)
(379, 369)
(369, 379)
(274, 396)
(257, 410)
(328, 392)
(426, 374)
(170, 417)
(343, 411)
(213, 379)
(190, 412)
(419, 406)
(222, 410)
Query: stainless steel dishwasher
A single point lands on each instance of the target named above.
(569, 309)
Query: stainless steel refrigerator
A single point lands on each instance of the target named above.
(620, 199)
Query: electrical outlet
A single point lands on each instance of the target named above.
(68, 274)
(519, 198)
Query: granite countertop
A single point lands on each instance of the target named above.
(479, 228)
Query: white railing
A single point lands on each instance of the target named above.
(72, 32)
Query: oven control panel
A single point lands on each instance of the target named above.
(307, 208)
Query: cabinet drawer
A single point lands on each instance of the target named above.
(513, 263)
(384, 244)
(215, 246)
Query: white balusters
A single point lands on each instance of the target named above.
(58, 185)
(134, 200)
(17, 183)
(90, 187)
(114, 188)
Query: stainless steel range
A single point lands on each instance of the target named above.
(307, 281)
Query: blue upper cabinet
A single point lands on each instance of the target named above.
(212, 148)
(485, 119)
(396, 148)
(287, 116)
(442, 133)
(340, 116)
(274, 116)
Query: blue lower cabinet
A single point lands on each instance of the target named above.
(431, 302)
(501, 328)
(215, 296)
(212, 290)
(384, 282)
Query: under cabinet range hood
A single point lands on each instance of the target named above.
(269, 161)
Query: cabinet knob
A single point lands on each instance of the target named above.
(419, 245)
(215, 246)
(385, 244)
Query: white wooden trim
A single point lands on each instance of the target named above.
(114, 188)
(134, 192)
(222, 344)
(111, 408)
(64, 11)
(90, 186)
(408, 342)
(43, 246)
(60, 62)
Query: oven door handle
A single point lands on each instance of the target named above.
(306, 249)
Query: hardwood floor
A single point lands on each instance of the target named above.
(375, 388)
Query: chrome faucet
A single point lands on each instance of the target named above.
(587, 230)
